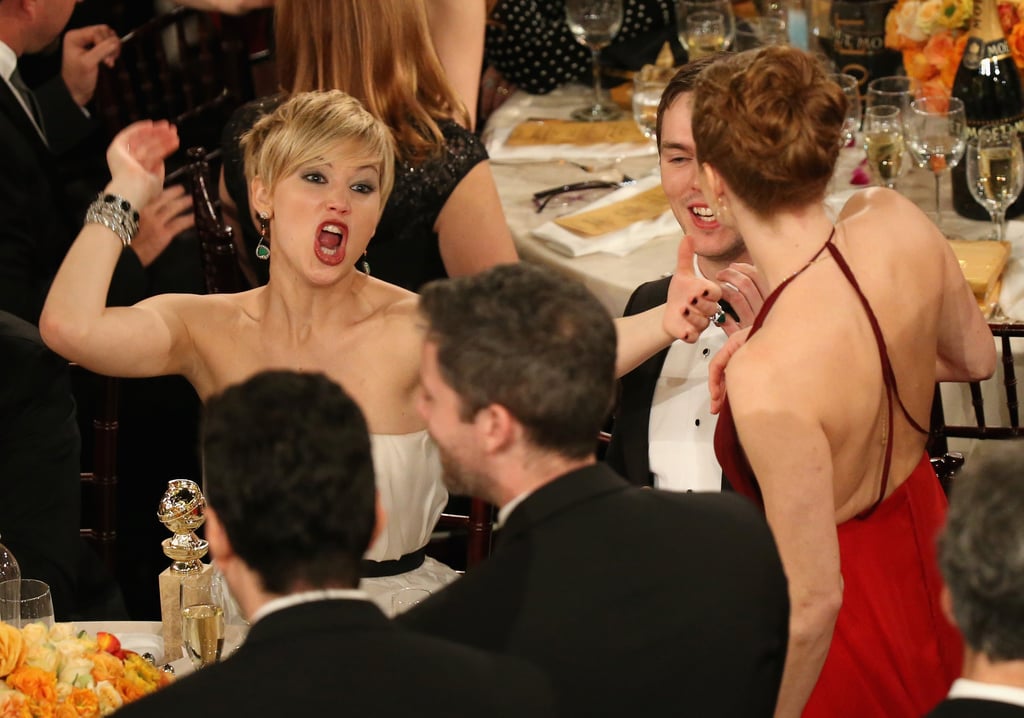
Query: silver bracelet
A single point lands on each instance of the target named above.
(116, 214)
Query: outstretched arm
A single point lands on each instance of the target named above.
(76, 323)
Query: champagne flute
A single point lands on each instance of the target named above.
(851, 89)
(202, 630)
(594, 23)
(995, 174)
(884, 145)
(936, 130)
(685, 8)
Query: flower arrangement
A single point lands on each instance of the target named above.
(931, 35)
(58, 673)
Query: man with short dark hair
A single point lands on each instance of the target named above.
(290, 492)
(635, 602)
(981, 555)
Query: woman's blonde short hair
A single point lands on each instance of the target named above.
(310, 125)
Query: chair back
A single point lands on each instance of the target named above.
(186, 66)
(473, 530)
(99, 395)
(221, 269)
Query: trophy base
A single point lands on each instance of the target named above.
(174, 588)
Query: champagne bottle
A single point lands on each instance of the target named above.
(856, 39)
(989, 84)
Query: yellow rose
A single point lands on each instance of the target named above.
(11, 649)
(929, 15)
(955, 14)
(42, 655)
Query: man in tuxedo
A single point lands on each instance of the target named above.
(663, 430)
(981, 554)
(43, 208)
(291, 510)
(635, 602)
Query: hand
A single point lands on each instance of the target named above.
(136, 160)
(169, 214)
(745, 289)
(692, 300)
(716, 368)
(494, 90)
(84, 50)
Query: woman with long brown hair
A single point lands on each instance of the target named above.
(444, 217)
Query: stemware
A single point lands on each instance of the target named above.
(26, 601)
(851, 89)
(594, 23)
(995, 174)
(895, 90)
(685, 8)
(646, 97)
(759, 31)
(202, 627)
(884, 145)
(705, 33)
(936, 129)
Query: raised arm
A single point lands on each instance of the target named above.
(966, 351)
(143, 340)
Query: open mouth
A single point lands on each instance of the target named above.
(330, 243)
(703, 217)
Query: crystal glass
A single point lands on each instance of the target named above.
(685, 8)
(758, 31)
(10, 588)
(936, 131)
(646, 97)
(894, 90)
(202, 627)
(595, 23)
(26, 601)
(884, 144)
(995, 174)
(851, 89)
(705, 33)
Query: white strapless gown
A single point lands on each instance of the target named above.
(408, 472)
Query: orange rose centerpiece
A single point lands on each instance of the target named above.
(60, 673)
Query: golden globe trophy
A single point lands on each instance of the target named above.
(181, 511)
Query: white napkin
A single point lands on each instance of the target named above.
(497, 149)
(143, 643)
(1011, 297)
(619, 243)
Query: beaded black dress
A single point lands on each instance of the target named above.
(404, 250)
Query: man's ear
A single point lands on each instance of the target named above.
(496, 426)
(946, 601)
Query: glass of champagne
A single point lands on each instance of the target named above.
(883, 143)
(646, 96)
(995, 174)
(851, 89)
(936, 131)
(202, 630)
(705, 33)
(594, 23)
(685, 8)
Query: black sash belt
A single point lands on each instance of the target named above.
(408, 562)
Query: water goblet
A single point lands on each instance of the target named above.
(594, 23)
(25, 601)
(936, 131)
(646, 97)
(895, 90)
(685, 8)
(995, 174)
(884, 144)
(851, 89)
(705, 33)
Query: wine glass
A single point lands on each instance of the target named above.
(894, 90)
(202, 628)
(646, 97)
(995, 173)
(594, 23)
(851, 89)
(705, 33)
(685, 8)
(936, 130)
(26, 601)
(884, 145)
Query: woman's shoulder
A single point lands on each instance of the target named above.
(460, 144)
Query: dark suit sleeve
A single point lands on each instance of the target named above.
(66, 123)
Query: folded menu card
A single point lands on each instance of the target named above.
(617, 223)
(567, 132)
(982, 262)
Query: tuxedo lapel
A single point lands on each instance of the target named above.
(27, 132)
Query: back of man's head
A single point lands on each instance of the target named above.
(288, 470)
(538, 344)
(981, 553)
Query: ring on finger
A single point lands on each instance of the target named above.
(719, 317)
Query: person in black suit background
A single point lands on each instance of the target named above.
(291, 510)
(635, 602)
(981, 555)
(40, 493)
(663, 429)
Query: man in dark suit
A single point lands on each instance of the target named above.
(664, 428)
(43, 208)
(290, 491)
(981, 554)
(635, 602)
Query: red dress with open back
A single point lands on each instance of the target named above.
(893, 653)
